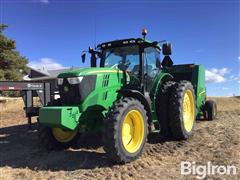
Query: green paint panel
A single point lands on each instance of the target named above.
(66, 117)
(200, 87)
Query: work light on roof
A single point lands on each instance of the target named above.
(144, 32)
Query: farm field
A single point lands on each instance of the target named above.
(22, 157)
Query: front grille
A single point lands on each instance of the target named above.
(69, 93)
(73, 94)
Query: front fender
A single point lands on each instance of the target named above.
(138, 95)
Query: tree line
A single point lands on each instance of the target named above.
(13, 65)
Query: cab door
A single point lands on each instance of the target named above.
(151, 69)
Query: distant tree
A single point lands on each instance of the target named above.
(12, 64)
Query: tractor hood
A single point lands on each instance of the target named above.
(85, 100)
(94, 84)
(88, 71)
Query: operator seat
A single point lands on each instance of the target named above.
(135, 69)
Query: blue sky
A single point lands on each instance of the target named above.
(53, 33)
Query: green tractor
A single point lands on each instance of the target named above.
(126, 94)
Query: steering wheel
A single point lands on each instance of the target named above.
(124, 65)
(154, 72)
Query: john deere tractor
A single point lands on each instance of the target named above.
(127, 93)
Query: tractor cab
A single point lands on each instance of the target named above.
(139, 58)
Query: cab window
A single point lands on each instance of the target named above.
(124, 58)
(151, 59)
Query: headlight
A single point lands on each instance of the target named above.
(74, 80)
(60, 81)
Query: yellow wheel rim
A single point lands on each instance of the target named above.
(132, 131)
(63, 136)
(188, 111)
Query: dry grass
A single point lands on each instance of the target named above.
(11, 104)
(229, 103)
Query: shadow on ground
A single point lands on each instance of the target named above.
(20, 148)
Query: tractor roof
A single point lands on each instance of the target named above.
(125, 42)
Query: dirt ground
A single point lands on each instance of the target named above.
(22, 157)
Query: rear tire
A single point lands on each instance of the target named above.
(182, 110)
(125, 130)
(162, 108)
(210, 110)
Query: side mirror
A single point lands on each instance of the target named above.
(83, 57)
(90, 50)
(167, 49)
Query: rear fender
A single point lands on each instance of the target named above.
(159, 80)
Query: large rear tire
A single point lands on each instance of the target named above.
(125, 130)
(162, 108)
(182, 110)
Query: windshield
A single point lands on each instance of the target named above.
(125, 58)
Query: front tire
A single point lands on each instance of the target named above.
(56, 138)
(182, 110)
(125, 130)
